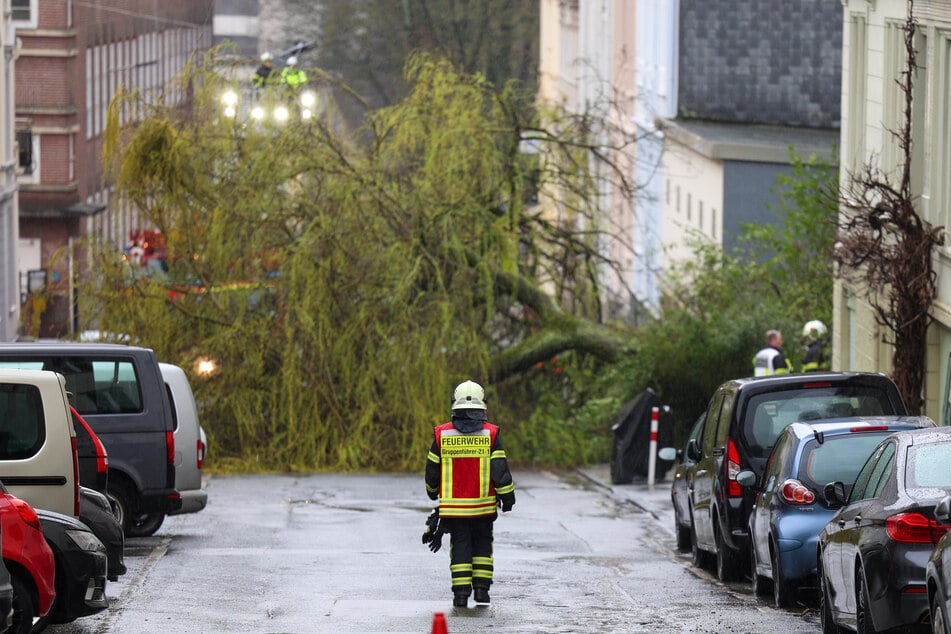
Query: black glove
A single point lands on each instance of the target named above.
(507, 503)
(434, 532)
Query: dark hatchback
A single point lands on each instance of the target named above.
(680, 489)
(938, 574)
(873, 552)
(81, 568)
(743, 420)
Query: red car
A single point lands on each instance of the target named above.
(29, 559)
(91, 454)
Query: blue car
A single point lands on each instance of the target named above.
(790, 509)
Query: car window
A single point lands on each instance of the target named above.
(772, 412)
(927, 466)
(23, 429)
(723, 423)
(710, 427)
(777, 460)
(878, 474)
(861, 481)
(838, 459)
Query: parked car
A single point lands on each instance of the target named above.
(92, 455)
(938, 573)
(873, 552)
(29, 559)
(790, 511)
(743, 420)
(81, 568)
(119, 391)
(680, 488)
(38, 461)
(190, 440)
(96, 513)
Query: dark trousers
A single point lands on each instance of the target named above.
(470, 553)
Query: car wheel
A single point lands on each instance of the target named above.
(699, 558)
(145, 525)
(938, 620)
(727, 558)
(758, 583)
(683, 536)
(783, 591)
(23, 605)
(829, 625)
(863, 609)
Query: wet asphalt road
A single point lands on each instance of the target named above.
(342, 553)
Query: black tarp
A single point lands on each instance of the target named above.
(632, 434)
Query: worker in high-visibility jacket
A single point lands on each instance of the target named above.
(814, 336)
(467, 471)
(293, 76)
(770, 360)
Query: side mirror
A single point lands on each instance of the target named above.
(693, 450)
(746, 478)
(942, 511)
(834, 494)
(668, 453)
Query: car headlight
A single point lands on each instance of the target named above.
(205, 366)
(308, 99)
(86, 541)
(229, 98)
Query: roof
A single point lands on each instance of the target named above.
(750, 142)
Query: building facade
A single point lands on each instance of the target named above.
(9, 222)
(73, 58)
(872, 106)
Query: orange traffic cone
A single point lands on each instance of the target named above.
(439, 623)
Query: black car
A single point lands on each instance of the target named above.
(680, 488)
(81, 568)
(873, 552)
(938, 573)
(743, 420)
(96, 513)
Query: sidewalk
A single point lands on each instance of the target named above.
(654, 500)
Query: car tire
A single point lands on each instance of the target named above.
(727, 558)
(683, 536)
(24, 606)
(758, 583)
(783, 591)
(864, 624)
(826, 619)
(699, 558)
(939, 620)
(133, 524)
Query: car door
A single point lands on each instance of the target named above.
(857, 518)
(765, 504)
(705, 474)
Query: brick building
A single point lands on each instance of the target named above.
(71, 59)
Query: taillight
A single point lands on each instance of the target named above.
(731, 466)
(200, 447)
(75, 477)
(170, 447)
(914, 528)
(796, 493)
(26, 512)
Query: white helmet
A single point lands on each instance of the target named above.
(814, 330)
(292, 61)
(468, 395)
(266, 57)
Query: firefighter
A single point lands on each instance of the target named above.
(770, 359)
(467, 471)
(814, 337)
(292, 75)
(266, 74)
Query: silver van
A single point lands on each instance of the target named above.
(189, 439)
(38, 461)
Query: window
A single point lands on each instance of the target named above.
(23, 13)
(25, 152)
(24, 427)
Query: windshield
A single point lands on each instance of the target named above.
(770, 413)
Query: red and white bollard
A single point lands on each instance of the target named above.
(652, 452)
